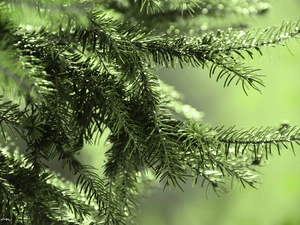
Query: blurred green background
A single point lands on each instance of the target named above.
(277, 202)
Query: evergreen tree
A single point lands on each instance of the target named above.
(72, 69)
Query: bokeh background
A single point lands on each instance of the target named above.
(277, 202)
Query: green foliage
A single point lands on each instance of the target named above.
(71, 69)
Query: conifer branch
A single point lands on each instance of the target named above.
(259, 140)
(30, 198)
(10, 115)
(204, 156)
(81, 74)
(212, 8)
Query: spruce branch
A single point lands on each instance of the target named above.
(259, 140)
(204, 149)
(187, 16)
(204, 156)
(30, 198)
(195, 7)
(169, 51)
(10, 115)
(82, 74)
(211, 48)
